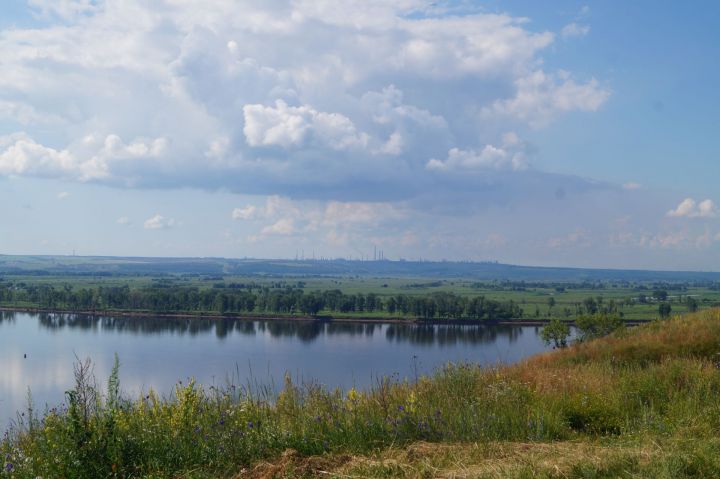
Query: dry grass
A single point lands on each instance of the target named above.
(681, 352)
(696, 335)
(460, 461)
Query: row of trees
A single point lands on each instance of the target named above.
(265, 300)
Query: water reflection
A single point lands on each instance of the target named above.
(451, 334)
(304, 331)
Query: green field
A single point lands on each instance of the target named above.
(633, 300)
(218, 286)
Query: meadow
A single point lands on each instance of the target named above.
(641, 402)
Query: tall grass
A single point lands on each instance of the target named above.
(659, 380)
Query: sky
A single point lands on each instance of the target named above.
(565, 133)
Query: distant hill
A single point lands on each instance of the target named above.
(121, 266)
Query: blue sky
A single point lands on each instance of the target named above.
(571, 133)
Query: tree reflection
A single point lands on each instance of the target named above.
(305, 331)
(451, 334)
(8, 316)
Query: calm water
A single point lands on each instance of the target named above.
(157, 352)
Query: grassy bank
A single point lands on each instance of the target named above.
(642, 403)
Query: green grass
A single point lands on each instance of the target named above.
(643, 403)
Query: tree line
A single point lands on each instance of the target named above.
(290, 301)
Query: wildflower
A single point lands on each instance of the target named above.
(352, 399)
(412, 402)
(9, 467)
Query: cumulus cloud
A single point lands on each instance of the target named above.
(540, 97)
(689, 208)
(89, 159)
(510, 156)
(288, 126)
(331, 100)
(63, 195)
(159, 222)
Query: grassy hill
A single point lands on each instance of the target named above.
(641, 403)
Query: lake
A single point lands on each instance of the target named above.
(37, 352)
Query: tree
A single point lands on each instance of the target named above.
(692, 304)
(660, 294)
(311, 304)
(591, 326)
(556, 332)
(551, 304)
(591, 306)
(664, 309)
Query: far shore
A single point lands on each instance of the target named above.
(321, 318)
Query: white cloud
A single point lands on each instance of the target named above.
(574, 30)
(540, 97)
(288, 126)
(283, 226)
(20, 156)
(309, 98)
(689, 208)
(63, 195)
(25, 114)
(510, 156)
(247, 212)
(159, 222)
(123, 220)
(489, 157)
(89, 159)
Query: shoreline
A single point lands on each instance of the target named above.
(326, 318)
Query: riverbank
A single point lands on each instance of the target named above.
(655, 384)
(325, 318)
